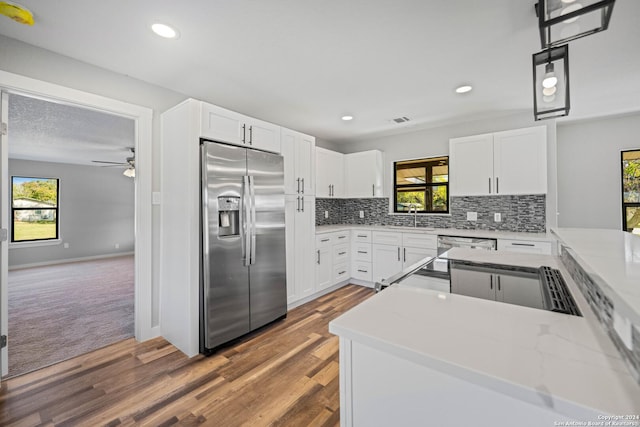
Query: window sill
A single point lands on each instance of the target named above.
(18, 245)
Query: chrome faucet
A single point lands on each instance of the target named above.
(415, 214)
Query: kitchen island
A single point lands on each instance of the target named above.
(419, 357)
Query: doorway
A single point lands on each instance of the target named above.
(144, 314)
(71, 231)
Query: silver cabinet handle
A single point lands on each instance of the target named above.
(342, 237)
(363, 252)
(298, 204)
(318, 257)
(244, 130)
(302, 179)
(497, 185)
(498, 283)
(362, 235)
(363, 271)
(491, 282)
(373, 190)
(302, 204)
(341, 253)
(522, 244)
(298, 191)
(398, 253)
(489, 185)
(324, 240)
(405, 254)
(250, 135)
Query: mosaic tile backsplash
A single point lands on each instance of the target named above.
(603, 308)
(519, 213)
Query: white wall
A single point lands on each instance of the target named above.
(95, 211)
(435, 142)
(589, 174)
(30, 61)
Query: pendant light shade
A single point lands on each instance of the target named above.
(551, 83)
(561, 21)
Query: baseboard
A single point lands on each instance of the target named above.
(363, 283)
(65, 261)
(317, 294)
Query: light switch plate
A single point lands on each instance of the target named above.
(361, 214)
(497, 217)
(472, 216)
(326, 214)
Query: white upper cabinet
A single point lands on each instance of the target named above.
(329, 173)
(223, 125)
(363, 174)
(520, 161)
(502, 163)
(299, 164)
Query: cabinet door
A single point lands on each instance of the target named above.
(305, 236)
(329, 173)
(520, 161)
(472, 283)
(288, 150)
(363, 174)
(387, 261)
(412, 255)
(324, 270)
(305, 163)
(517, 290)
(262, 135)
(221, 125)
(323, 173)
(471, 165)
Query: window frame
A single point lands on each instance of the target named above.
(626, 204)
(426, 185)
(56, 209)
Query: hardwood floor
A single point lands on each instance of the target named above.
(284, 375)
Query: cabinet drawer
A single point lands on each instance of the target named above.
(323, 240)
(341, 272)
(362, 271)
(387, 238)
(362, 236)
(362, 252)
(340, 253)
(341, 237)
(420, 240)
(526, 246)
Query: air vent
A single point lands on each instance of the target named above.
(401, 119)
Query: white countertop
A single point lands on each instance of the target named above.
(320, 229)
(545, 358)
(612, 259)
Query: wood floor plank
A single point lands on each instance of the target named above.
(285, 374)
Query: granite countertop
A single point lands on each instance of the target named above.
(566, 363)
(441, 231)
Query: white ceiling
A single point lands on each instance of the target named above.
(49, 131)
(303, 64)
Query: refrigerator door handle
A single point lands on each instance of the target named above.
(252, 252)
(246, 242)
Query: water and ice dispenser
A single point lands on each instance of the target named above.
(228, 216)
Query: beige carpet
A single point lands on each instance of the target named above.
(61, 311)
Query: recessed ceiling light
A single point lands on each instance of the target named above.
(163, 30)
(463, 89)
(347, 118)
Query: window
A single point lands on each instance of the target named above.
(34, 208)
(422, 184)
(631, 191)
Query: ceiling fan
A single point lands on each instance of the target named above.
(129, 164)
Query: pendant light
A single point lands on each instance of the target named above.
(561, 21)
(551, 83)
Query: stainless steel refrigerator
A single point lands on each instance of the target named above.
(243, 281)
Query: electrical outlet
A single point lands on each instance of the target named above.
(65, 245)
(472, 216)
(117, 245)
(326, 214)
(497, 217)
(361, 214)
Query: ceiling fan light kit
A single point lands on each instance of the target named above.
(559, 22)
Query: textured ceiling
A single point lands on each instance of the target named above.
(303, 64)
(49, 131)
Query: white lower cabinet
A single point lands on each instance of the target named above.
(394, 251)
(332, 259)
(300, 232)
(361, 255)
